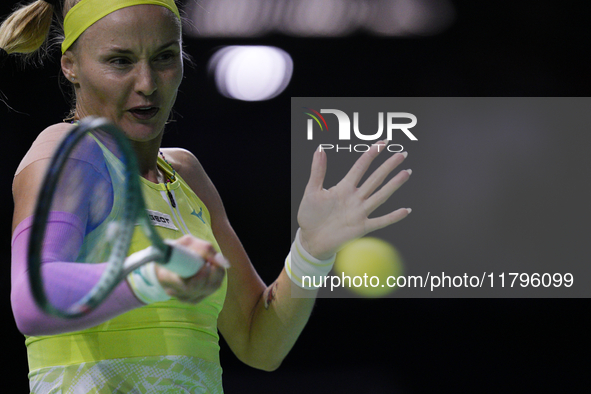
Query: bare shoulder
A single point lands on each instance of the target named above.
(31, 171)
(186, 164)
(190, 169)
(54, 133)
(45, 144)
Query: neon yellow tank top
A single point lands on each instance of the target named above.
(153, 334)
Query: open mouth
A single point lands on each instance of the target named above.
(144, 113)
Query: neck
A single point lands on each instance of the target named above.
(147, 157)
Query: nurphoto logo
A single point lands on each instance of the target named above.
(392, 120)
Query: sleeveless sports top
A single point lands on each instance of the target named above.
(163, 344)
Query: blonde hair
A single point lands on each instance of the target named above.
(27, 30)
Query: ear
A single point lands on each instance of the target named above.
(69, 66)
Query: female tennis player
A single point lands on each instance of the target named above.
(124, 59)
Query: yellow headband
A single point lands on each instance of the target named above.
(87, 12)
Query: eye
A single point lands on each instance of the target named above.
(119, 61)
(165, 56)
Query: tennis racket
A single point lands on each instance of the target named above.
(94, 176)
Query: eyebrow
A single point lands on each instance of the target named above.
(125, 51)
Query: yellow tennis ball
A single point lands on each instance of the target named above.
(365, 264)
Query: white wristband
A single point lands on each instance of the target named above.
(145, 284)
(305, 270)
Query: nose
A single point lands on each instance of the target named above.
(145, 79)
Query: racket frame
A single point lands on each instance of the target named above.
(133, 211)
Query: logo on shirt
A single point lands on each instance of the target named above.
(161, 219)
(199, 215)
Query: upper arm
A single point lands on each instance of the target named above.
(245, 287)
(31, 171)
(83, 182)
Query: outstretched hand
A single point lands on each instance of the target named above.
(330, 218)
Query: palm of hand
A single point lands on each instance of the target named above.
(330, 218)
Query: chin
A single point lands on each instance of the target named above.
(143, 132)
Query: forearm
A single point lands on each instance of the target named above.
(64, 282)
(278, 320)
(65, 279)
(285, 306)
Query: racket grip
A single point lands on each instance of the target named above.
(183, 261)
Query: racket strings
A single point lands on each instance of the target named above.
(89, 190)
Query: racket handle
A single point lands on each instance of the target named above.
(183, 261)
(143, 279)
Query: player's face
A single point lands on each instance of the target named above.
(128, 67)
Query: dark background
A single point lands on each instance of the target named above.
(527, 48)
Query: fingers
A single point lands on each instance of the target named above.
(202, 284)
(203, 249)
(207, 280)
(382, 195)
(386, 220)
(196, 245)
(193, 289)
(362, 164)
(318, 171)
(379, 175)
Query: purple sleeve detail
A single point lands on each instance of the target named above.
(65, 281)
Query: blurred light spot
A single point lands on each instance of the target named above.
(317, 18)
(410, 17)
(328, 18)
(229, 18)
(251, 73)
